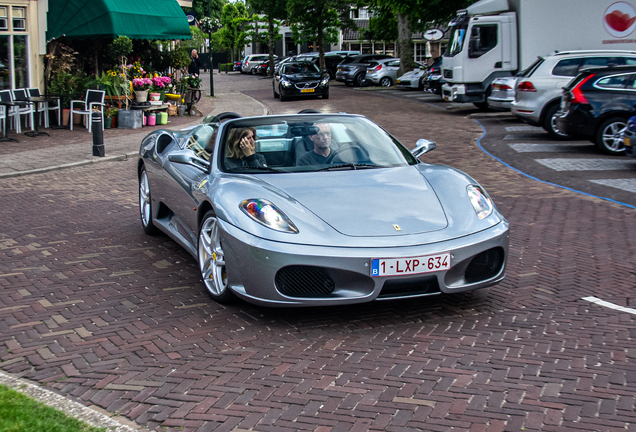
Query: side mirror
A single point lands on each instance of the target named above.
(423, 146)
(187, 157)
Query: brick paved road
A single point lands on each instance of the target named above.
(96, 310)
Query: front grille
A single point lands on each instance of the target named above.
(393, 288)
(309, 85)
(407, 83)
(485, 265)
(304, 281)
(448, 73)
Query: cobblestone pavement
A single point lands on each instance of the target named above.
(95, 310)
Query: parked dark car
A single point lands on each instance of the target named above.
(300, 78)
(352, 70)
(433, 79)
(237, 66)
(597, 104)
(263, 68)
(629, 137)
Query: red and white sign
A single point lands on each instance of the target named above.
(619, 19)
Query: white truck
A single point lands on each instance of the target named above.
(494, 38)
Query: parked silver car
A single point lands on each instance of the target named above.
(502, 92)
(383, 72)
(413, 79)
(538, 94)
(252, 61)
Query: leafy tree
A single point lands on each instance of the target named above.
(274, 10)
(232, 34)
(411, 15)
(319, 21)
(211, 8)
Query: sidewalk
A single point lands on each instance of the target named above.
(66, 148)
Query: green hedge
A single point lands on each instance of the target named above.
(226, 67)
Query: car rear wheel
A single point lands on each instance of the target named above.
(386, 82)
(360, 80)
(274, 89)
(145, 204)
(212, 260)
(549, 123)
(609, 136)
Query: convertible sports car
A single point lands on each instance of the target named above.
(318, 209)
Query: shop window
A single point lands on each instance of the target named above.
(389, 49)
(19, 18)
(5, 78)
(4, 23)
(367, 48)
(20, 61)
(378, 48)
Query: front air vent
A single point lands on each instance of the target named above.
(304, 282)
(485, 265)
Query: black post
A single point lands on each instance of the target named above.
(211, 67)
(98, 134)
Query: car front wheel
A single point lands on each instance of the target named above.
(212, 260)
(386, 82)
(361, 80)
(609, 136)
(145, 205)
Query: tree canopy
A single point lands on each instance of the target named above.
(273, 11)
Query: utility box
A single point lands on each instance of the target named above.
(130, 119)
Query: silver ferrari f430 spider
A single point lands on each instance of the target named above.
(317, 209)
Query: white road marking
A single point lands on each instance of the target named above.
(607, 304)
(547, 147)
(524, 129)
(563, 164)
(628, 185)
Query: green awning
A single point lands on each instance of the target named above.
(81, 19)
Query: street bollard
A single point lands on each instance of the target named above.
(98, 134)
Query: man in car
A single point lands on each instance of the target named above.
(322, 142)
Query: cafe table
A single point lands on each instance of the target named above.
(36, 101)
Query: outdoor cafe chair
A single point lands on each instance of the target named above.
(23, 109)
(45, 107)
(94, 99)
(13, 115)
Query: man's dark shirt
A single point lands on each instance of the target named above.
(312, 158)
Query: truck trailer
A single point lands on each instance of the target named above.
(494, 38)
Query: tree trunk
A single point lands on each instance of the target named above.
(405, 44)
(321, 50)
(256, 46)
(270, 22)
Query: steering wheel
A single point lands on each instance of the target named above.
(355, 150)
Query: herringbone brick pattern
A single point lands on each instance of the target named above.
(96, 310)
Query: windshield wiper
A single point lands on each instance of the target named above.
(353, 166)
(259, 168)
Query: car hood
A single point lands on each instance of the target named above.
(303, 77)
(376, 202)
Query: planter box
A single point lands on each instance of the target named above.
(130, 119)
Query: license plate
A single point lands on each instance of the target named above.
(410, 266)
(306, 90)
(627, 142)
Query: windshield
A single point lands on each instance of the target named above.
(309, 143)
(456, 42)
(295, 68)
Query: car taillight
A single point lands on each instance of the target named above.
(577, 94)
(526, 86)
(377, 68)
(500, 87)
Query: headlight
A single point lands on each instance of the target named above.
(480, 200)
(285, 83)
(265, 213)
(324, 81)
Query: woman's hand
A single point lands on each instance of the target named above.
(247, 146)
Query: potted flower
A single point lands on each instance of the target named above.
(110, 114)
(141, 87)
(159, 84)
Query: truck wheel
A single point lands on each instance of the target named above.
(609, 136)
(549, 123)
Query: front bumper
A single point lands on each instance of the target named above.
(345, 76)
(629, 139)
(255, 265)
(292, 91)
